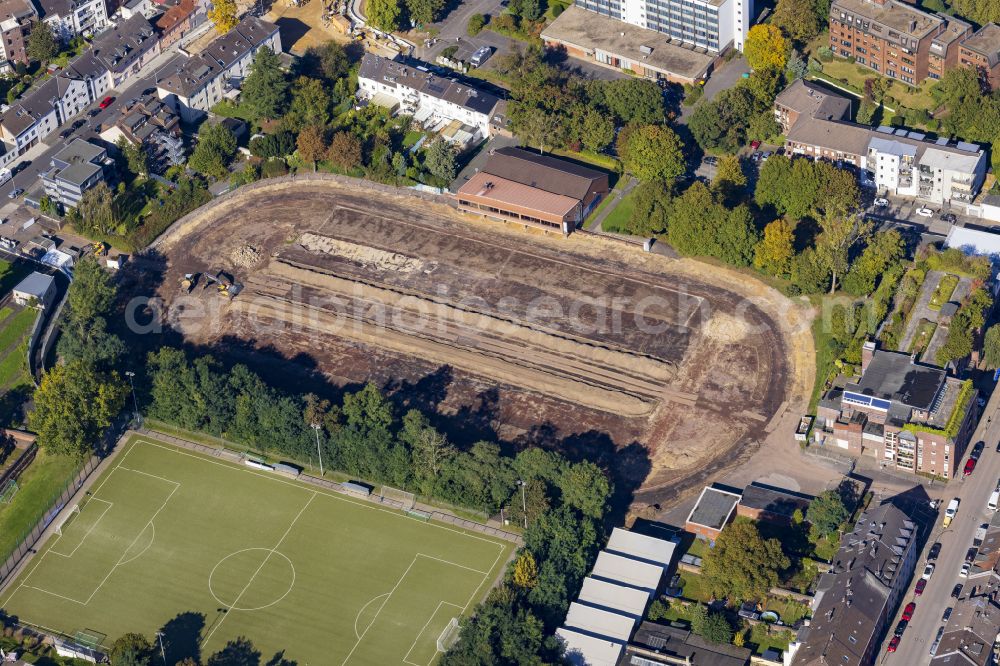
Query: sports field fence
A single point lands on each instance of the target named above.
(48, 513)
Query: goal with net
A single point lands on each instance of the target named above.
(395, 496)
(448, 636)
(8, 490)
(65, 519)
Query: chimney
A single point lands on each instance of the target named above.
(867, 352)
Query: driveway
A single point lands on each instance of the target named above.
(451, 30)
(727, 75)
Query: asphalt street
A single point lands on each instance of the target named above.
(973, 492)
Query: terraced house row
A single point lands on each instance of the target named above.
(905, 43)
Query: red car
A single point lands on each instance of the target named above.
(970, 465)
(919, 589)
(908, 611)
(106, 102)
(755, 145)
(893, 644)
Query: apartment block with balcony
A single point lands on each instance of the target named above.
(907, 165)
(75, 169)
(150, 123)
(15, 20)
(943, 53)
(903, 414)
(981, 51)
(68, 18)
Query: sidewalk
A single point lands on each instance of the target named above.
(616, 195)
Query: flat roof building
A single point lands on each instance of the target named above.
(662, 644)
(641, 547)
(616, 568)
(714, 510)
(599, 622)
(37, 289)
(536, 190)
(75, 169)
(585, 650)
(776, 505)
(615, 597)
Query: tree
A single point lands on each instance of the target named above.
(883, 250)
(632, 101)
(743, 565)
(799, 19)
(764, 128)
(214, 151)
(525, 571)
(991, 346)
(97, 210)
(716, 629)
(980, 11)
(311, 144)
(440, 160)
(652, 152)
(729, 178)
(344, 151)
(310, 104)
(136, 157)
(383, 14)
(833, 247)
(597, 131)
(584, 486)
(224, 15)
(237, 652)
(131, 650)
(702, 226)
(265, 90)
(42, 45)
(476, 24)
(273, 145)
(774, 252)
(765, 47)
(74, 404)
(826, 514)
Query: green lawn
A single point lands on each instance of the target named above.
(16, 327)
(14, 367)
(764, 636)
(617, 220)
(325, 578)
(788, 610)
(943, 291)
(694, 587)
(923, 335)
(826, 355)
(44, 479)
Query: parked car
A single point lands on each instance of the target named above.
(78, 124)
(106, 102)
(947, 614)
(65, 133)
(948, 217)
(93, 112)
(977, 450)
(970, 555)
(15, 193)
(956, 591)
(925, 212)
(908, 611)
(711, 160)
(933, 553)
(937, 640)
(970, 466)
(919, 589)
(928, 572)
(148, 91)
(754, 145)
(964, 571)
(893, 644)
(901, 627)
(881, 202)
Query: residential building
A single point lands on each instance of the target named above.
(433, 101)
(771, 504)
(713, 25)
(38, 289)
(203, 79)
(981, 51)
(47, 106)
(857, 599)
(905, 43)
(810, 99)
(15, 19)
(75, 169)
(666, 644)
(176, 22)
(905, 415)
(714, 509)
(520, 186)
(149, 122)
(68, 18)
(126, 48)
(618, 45)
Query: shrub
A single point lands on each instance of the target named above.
(273, 168)
(476, 24)
(825, 54)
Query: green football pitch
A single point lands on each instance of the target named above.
(325, 578)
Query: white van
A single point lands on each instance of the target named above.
(5, 175)
(994, 501)
(949, 513)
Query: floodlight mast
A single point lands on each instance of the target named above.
(319, 452)
(163, 652)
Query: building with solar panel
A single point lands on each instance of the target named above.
(905, 415)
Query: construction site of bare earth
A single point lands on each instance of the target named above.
(669, 371)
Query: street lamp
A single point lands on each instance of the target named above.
(135, 403)
(163, 652)
(315, 427)
(524, 505)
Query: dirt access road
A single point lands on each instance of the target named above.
(667, 371)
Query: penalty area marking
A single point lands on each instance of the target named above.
(87, 534)
(406, 657)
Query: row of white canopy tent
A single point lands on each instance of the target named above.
(613, 599)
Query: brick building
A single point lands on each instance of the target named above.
(906, 415)
(982, 51)
(715, 509)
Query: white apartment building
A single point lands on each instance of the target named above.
(202, 80)
(68, 18)
(713, 25)
(934, 172)
(433, 101)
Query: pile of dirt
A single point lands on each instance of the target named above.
(369, 257)
(245, 256)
